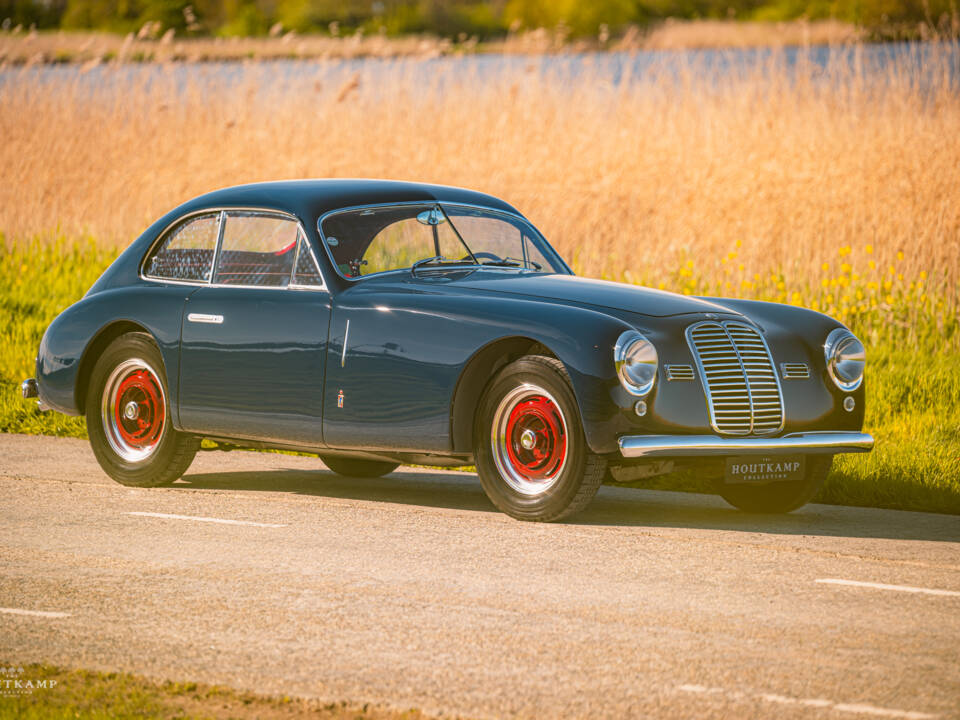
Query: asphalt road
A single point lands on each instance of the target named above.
(411, 591)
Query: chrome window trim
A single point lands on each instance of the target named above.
(409, 203)
(223, 211)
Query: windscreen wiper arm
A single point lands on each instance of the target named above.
(513, 262)
(438, 261)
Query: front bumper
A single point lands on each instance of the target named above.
(804, 443)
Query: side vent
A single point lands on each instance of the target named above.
(794, 371)
(679, 372)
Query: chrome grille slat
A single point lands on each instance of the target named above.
(679, 372)
(741, 382)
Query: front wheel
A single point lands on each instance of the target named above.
(128, 416)
(530, 450)
(779, 497)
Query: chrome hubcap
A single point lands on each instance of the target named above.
(131, 411)
(528, 439)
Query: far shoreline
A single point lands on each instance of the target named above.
(26, 48)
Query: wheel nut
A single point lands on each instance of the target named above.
(528, 439)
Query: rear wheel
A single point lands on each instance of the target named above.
(354, 467)
(531, 453)
(128, 416)
(779, 497)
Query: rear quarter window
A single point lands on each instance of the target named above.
(186, 253)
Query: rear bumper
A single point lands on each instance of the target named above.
(29, 389)
(805, 443)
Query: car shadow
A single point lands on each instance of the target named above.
(613, 506)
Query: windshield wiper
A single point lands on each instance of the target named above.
(513, 262)
(438, 261)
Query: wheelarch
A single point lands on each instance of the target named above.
(95, 349)
(477, 373)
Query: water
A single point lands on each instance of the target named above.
(919, 64)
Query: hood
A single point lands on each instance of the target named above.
(584, 291)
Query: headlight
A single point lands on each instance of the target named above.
(636, 360)
(845, 358)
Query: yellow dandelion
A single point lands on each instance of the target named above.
(869, 249)
(899, 254)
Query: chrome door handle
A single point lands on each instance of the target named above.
(205, 318)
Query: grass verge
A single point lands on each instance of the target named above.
(59, 694)
(913, 381)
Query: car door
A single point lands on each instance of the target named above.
(394, 355)
(253, 342)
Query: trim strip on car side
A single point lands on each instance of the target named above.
(815, 443)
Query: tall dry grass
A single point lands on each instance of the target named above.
(770, 168)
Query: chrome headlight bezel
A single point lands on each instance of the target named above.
(842, 346)
(630, 342)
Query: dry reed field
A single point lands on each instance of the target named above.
(828, 186)
(785, 168)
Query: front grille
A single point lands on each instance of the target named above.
(741, 385)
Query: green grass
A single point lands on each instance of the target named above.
(60, 694)
(913, 374)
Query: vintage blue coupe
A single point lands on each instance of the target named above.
(376, 323)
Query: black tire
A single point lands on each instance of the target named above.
(528, 390)
(779, 497)
(129, 453)
(355, 467)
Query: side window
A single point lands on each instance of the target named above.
(187, 251)
(306, 272)
(257, 250)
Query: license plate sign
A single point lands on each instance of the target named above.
(758, 470)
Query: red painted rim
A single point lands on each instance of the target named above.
(540, 416)
(142, 388)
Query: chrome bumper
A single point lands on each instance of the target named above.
(805, 443)
(29, 389)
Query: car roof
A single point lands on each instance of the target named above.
(310, 199)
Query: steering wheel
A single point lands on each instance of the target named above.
(484, 255)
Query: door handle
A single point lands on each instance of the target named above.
(205, 318)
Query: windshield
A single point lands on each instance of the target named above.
(374, 240)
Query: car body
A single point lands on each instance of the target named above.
(347, 337)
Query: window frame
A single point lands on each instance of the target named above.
(441, 203)
(222, 213)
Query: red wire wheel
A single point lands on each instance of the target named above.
(530, 441)
(134, 410)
